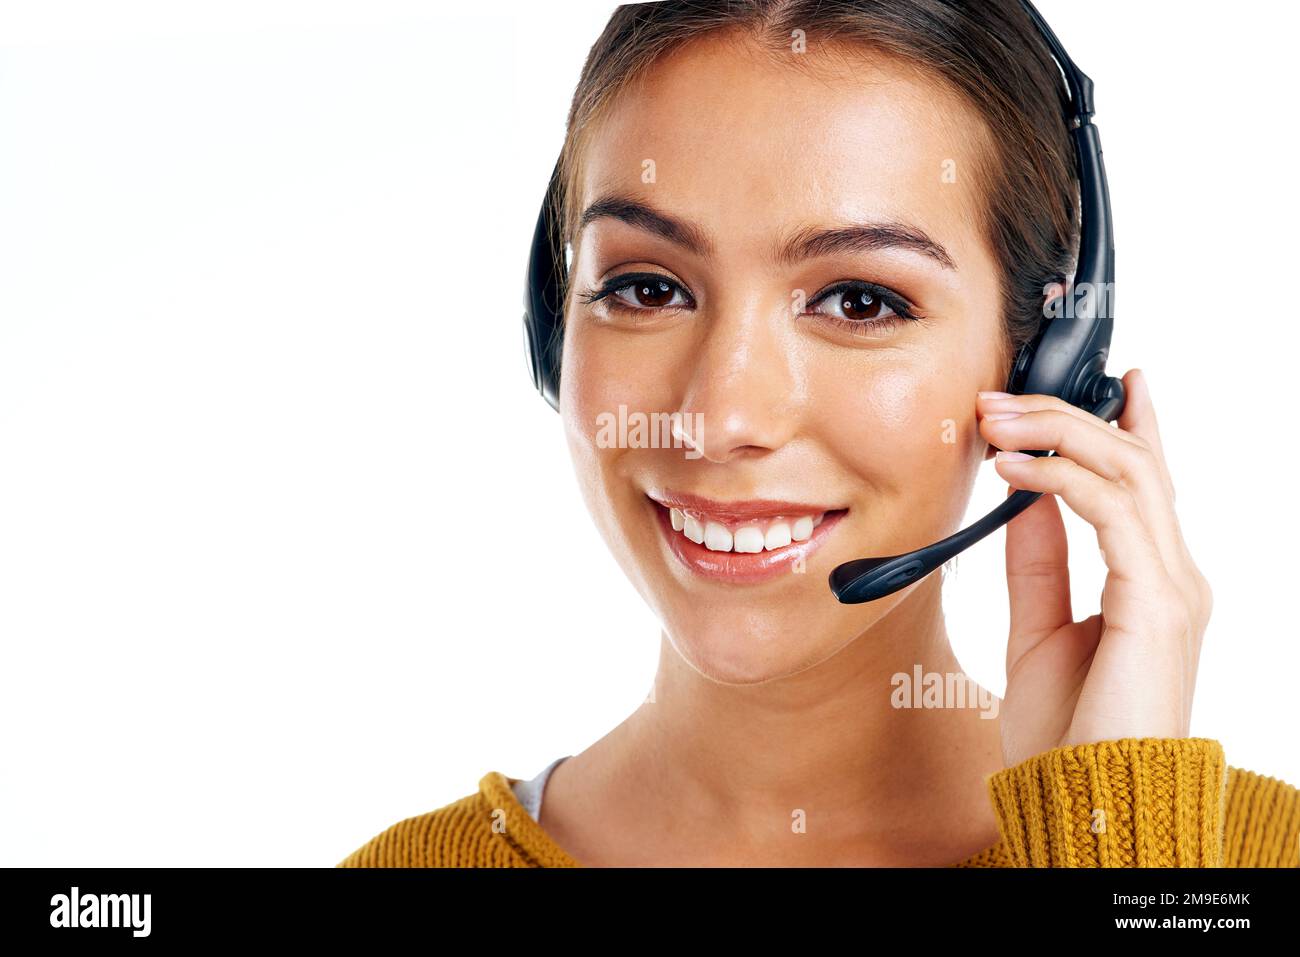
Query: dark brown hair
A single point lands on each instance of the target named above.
(988, 51)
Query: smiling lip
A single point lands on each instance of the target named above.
(739, 511)
(740, 567)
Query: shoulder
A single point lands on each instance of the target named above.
(1261, 821)
(464, 833)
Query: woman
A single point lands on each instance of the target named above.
(820, 232)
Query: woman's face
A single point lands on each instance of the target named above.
(783, 224)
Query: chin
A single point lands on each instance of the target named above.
(741, 617)
(736, 642)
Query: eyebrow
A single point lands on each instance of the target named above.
(805, 243)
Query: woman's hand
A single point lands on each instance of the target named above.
(1129, 671)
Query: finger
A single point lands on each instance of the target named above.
(1127, 546)
(1154, 496)
(1035, 402)
(1144, 618)
(1137, 422)
(1139, 418)
(1038, 576)
(1130, 463)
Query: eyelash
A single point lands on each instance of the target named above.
(898, 305)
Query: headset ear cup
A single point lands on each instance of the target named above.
(1025, 357)
(1020, 368)
(549, 368)
(543, 361)
(544, 297)
(530, 352)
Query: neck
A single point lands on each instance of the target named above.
(822, 766)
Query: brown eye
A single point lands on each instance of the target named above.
(649, 293)
(861, 302)
(855, 302)
(641, 293)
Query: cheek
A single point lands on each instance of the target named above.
(907, 430)
(603, 370)
(894, 416)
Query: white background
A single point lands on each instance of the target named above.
(290, 549)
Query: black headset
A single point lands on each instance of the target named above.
(1067, 357)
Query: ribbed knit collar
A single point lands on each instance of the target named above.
(535, 848)
(526, 838)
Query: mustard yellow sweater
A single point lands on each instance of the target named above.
(1133, 802)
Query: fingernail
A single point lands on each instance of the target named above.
(995, 395)
(1002, 415)
(1013, 456)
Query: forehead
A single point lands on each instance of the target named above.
(748, 145)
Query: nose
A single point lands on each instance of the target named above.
(742, 390)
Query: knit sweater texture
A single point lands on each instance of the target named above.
(1131, 802)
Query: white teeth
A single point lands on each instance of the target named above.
(749, 539)
(693, 530)
(717, 538)
(778, 536)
